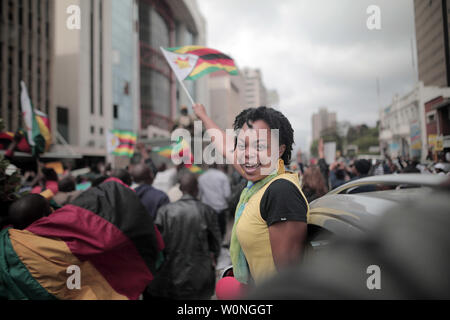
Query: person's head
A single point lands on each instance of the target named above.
(340, 174)
(213, 166)
(361, 167)
(67, 184)
(98, 181)
(184, 110)
(49, 174)
(141, 173)
(162, 167)
(314, 181)
(189, 184)
(27, 210)
(255, 132)
(122, 175)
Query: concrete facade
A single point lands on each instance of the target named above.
(322, 120)
(26, 45)
(255, 91)
(432, 36)
(403, 124)
(226, 98)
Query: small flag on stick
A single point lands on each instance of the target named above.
(193, 62)
(36, 123)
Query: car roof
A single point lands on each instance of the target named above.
(360, 210)
(412, 179)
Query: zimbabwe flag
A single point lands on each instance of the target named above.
(106, 232)
(193, 62)
(121, 143)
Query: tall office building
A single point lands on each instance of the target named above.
(26, 40)
(432, 36)
(226, 98)
(321, 121)
(166, 23)
(96, 74)
(273, 99)
(255, 91)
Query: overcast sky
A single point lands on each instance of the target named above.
(319, 53)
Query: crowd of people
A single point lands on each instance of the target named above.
(192, 211)
(317, 179)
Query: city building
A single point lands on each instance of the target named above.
(321, 121)
(437, 118)
(255, 91)
(96, 82)
(110, 73)
(273, 99)
(26, 42)
(226, 98)
(432, 37)
(404, 125)
(166, 23)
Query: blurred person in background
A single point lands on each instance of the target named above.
(360, 169)
(185, 120)
(144, 157)
(192, 245)
(215, 189)
(166, 178)
(123, 175)
(152, 198)
(46, 178)
(338, 174)
(322, 164)
(67, 191)
(313, 184)
(300, 164)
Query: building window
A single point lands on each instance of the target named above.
(92, 129)
(62, 120)
(101, 131)
(116, 111)
(431, 117)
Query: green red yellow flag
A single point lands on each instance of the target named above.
(37, 125)
(193, 62)
(116, 253)
(121, 143)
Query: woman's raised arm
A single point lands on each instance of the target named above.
(219, 137)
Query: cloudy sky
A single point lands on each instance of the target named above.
(319, 53)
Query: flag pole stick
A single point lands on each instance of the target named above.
(186, 91)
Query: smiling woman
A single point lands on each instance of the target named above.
(270, 219)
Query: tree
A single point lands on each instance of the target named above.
(314, 148)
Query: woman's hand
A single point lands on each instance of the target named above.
(199, 111)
